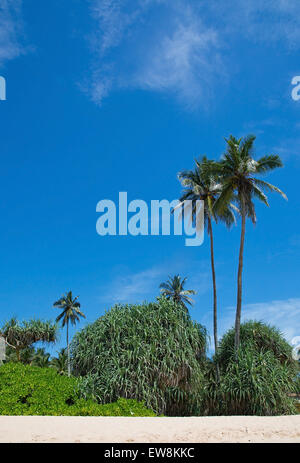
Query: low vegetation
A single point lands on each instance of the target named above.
(31, 390)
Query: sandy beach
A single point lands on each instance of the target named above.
(165, 430)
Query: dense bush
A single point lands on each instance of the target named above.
(260, 336)
(30, 390)
(259, 380)
(151, 352)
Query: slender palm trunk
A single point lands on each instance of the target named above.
(68, 350)
(215, 311)
(212, 258)
(239, 281)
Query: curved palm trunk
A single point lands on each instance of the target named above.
(239, 281)
(68, 350)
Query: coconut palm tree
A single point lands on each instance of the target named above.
(173, 288)
(238, 171)
(203, 183)
(60, 363)
(41, 358)
(70, 313)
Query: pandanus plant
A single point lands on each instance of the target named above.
(20, 336)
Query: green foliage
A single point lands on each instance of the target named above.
(257, 384)
(173, 288)
(238, 172)
(26, 355)
(70, 313)
(259, 380)
(60, 363)
(70, 309)
(260, 336)
(29, 356)
(203, 183)
(30, 390)
(21, 335)
(41, 358)
(151, 352)
(297, 384)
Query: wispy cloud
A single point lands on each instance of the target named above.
(135, 287)
(153, 45)
(182, 63)
(284, 314)
(181, 47)
(10, 28)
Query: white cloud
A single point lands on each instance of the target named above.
(112, 22)
(10, 25)
(153, 45)
(181, 47)
(137, 287)
(284, 314)
(268, 21)
(183, 63)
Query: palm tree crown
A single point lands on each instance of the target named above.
(203, 183)
(70, 313)
(238, 172)
(70, 309)
(173, 288)
(60, 363)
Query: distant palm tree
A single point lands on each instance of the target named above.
(70, 313)
(173, 288)
(26, 355)
(60, 363)
(203, 183)
(238, 170)
(41, 358)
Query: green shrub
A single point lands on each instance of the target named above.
(151, 352)
(30, 390)
(259, 380)
(260, 336)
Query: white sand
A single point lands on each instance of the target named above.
(163, 430)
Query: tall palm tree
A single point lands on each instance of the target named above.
(173, 288)
(202, 183)
(238, 170)
(70, 313)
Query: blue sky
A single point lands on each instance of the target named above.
(108, 96)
